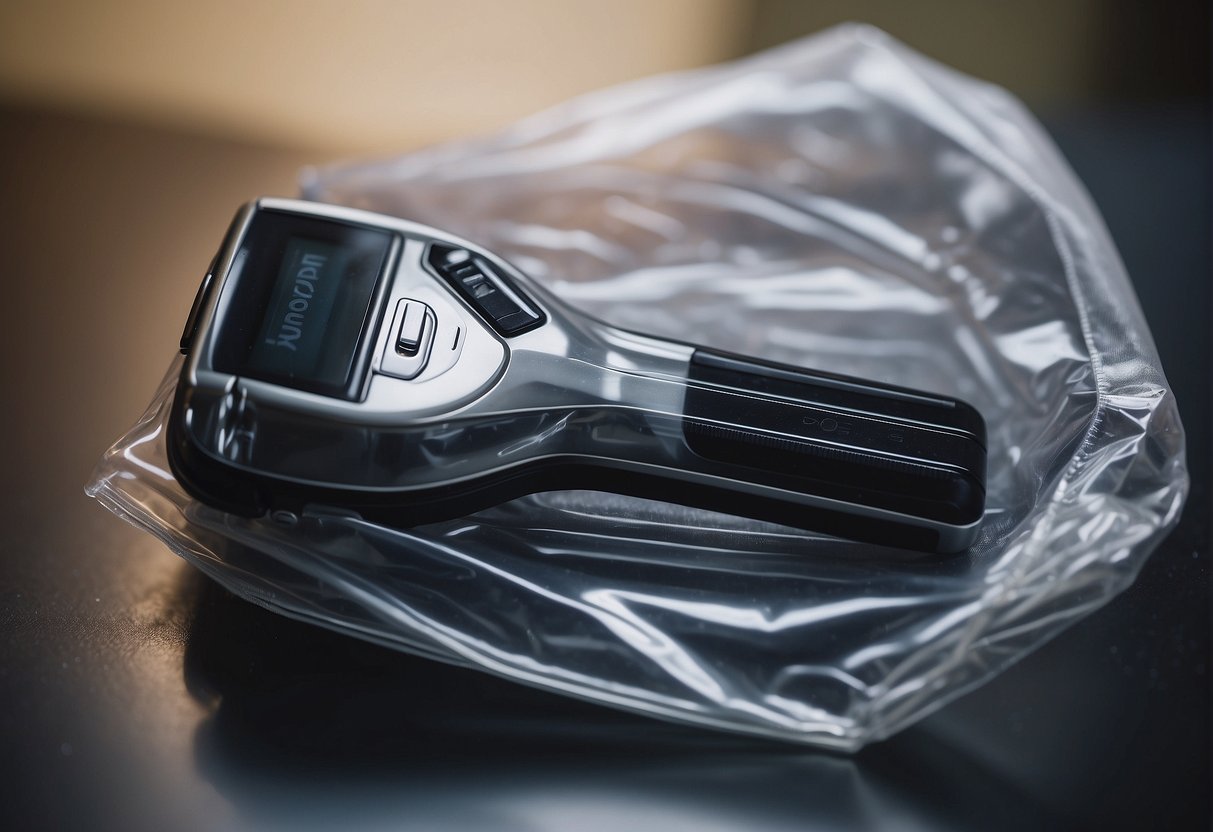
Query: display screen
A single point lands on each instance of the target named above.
(295, 337)
(301, 303)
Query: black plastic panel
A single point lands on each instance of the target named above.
(486, 289)
(839, 438)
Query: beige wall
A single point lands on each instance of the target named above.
(359, 75)
(384, 75)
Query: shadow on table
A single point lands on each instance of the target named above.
(311, 728)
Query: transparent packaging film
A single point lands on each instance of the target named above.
(839, 204)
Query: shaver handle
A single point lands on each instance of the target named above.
(866, 460)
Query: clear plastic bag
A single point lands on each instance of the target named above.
(840, 203)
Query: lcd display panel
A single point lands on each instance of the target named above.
(301, 309)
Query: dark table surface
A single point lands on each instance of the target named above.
(135, 694)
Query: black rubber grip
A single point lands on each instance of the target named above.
(840, 438)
